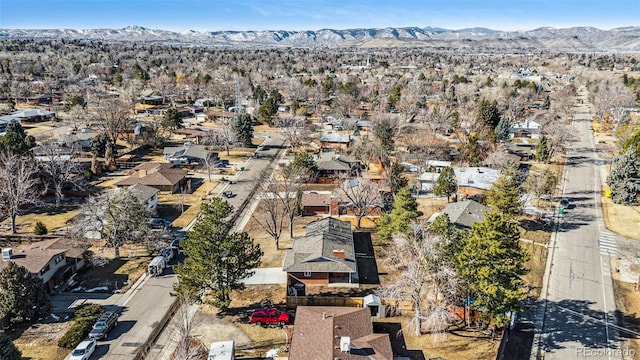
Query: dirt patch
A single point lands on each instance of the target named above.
(39, 341)
(628, 313)
(536, 265)
(429, 206)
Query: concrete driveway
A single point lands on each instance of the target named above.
(267, 276)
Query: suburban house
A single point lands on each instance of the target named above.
(81, 139)
(30, 115)
(527, 129)
(475, 180)
(54, 261)
(463, 213)
(428, 178)
(188, 154)
(146, 194)
(61, 152)
(4, 122)
(324, 255)
(332, 166)
(161, 176)
(335, 332)
(336, 142)
(316, 203)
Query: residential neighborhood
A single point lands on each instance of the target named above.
(288, 204)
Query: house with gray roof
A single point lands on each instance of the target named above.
(332, 166)
(463, 213)
(146, 194)
(475, 180)
(336, 142)
(188, 154)
(324, 255)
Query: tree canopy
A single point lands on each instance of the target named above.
(504, 196)
(242, 129)
(8, 351)
(446, 184)
(405, 210)
(217, 261)
(16, 139)
(624, 178)
(22, 295)
(172, 119)
(491, 261)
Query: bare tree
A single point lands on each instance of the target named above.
(59, 168)
(497, 157)
(18, 184)
(541, 183)
(557, 133)
(117, 217)
(271, 214)
(294, 131)
(425, 278)
(221, 137)
(188, 347)
(563, 100)
(114, 116)
(360, 195)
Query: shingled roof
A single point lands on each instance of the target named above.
(464, 213)
(318, 330)
(314, 252)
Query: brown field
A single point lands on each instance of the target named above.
(621, 219)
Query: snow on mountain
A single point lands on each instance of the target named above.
(624, 39)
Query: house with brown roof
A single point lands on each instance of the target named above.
(324, 255)
(162, 176)
(53, 261)
(333, 332)
(332, 166)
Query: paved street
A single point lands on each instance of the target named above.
(579, 321)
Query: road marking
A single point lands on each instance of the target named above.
(608, 243)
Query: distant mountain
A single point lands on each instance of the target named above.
(575, 39)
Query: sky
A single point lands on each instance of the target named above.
(215, 15)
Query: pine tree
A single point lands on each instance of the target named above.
(243, 129)
(172, 119)
(447, 183)
(504, 196)
(22, 295)
(405, 210)
(547, 103)
(543, 153)
(216, 261)
(502, 130)
(8, 351)
(492, 263)
(624, 178)
(488, 113)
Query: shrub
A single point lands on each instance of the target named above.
(83, 321)
(40, 228)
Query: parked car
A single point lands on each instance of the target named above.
(565, 204)
(159, 223)
(84, 350)
(169, 252)
(270, 316)
(103, 325)
(228, 194)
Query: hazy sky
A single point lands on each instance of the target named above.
(210, 15)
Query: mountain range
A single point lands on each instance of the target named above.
(574, 39)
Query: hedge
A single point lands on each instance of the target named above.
(83, 321)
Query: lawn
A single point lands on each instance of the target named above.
(52, 220)
(621, 219)
(191, 202)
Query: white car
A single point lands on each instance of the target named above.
(84, 350)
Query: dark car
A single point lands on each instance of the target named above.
(565, 204)
(270, 316)
(159, 223)
(228, 194)
(105, 323)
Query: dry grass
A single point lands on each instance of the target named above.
(109, 183)
(42, 352)
(26, 222)
(628, 303)
(191, 201)
(621, 219)
(39, 342)
(429, 206)
(536, 265)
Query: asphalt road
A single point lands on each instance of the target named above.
(579, 319)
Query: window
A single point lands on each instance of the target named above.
(307, 274)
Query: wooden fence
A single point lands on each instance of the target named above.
(295, 301)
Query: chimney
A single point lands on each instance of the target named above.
(324, 315)
(142, 173)
(339, 253)
(345, 344)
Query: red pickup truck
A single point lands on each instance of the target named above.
(270, 316)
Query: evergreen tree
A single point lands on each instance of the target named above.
(405, 210)
(543, 152)
(502, 130)
(243, 129)
(172, 119)
(267, 110)
(396, 177)
(22, 295)
(547, 103)
(624, 178)
(447, 183)
(8, 351)
(16, 139)
(216, 261)
(384, 132)
(492, 263)
(504, 196)
(488, 113)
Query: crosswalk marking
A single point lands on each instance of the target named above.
(607, 243)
